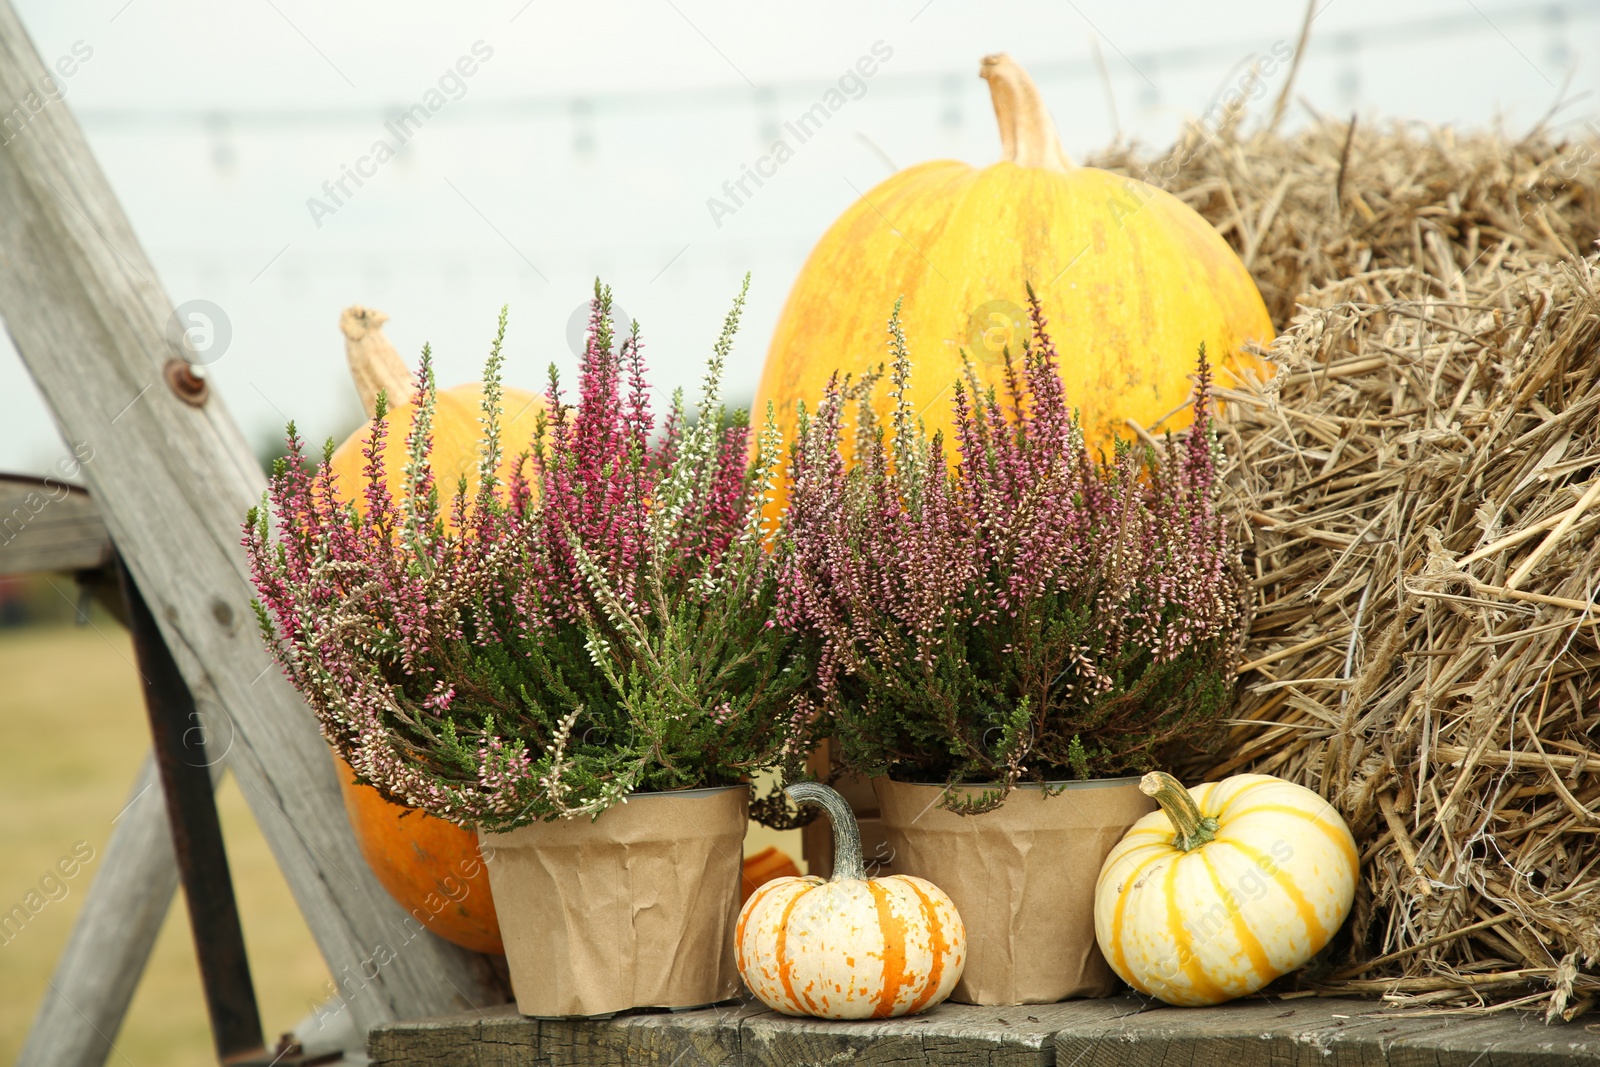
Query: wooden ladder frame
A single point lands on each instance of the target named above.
(172, 478)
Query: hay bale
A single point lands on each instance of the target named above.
(1419, 494)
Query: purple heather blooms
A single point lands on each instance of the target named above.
(899, 564)
(364, 606)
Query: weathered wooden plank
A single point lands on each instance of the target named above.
(1021, 1034)
(454, 1041)
(1321, 1032)
(951, 1035)
(173, 478)
(1244, 1033)
(48, 525)
(770, 1040)
(1502, 1040)
(1116, 1032)
(746, 1034)
(707, 1038)
(499, 1037)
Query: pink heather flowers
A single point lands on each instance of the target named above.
(595, 625)
(1023, 613)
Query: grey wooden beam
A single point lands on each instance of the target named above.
(172, 477)
(1119, 1031)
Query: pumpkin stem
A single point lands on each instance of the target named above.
(847, 864)
(1193, 828)
(1027, 134)
(374, 364)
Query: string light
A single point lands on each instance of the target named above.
(1555, 18)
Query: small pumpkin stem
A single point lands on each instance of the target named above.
(1027, 134)
(1193, 828)
(374, 364)
(847, 864)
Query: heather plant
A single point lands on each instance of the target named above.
(595, 624)
(1017, 611)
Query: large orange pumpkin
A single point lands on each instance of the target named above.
(431, 867)
(1132, 279)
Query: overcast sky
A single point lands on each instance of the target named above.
(588, 138)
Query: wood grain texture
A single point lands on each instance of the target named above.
(499, 1037)
(706, 1038)
(47, 525)
(173, 481)
(1321, 1032)
(951, 1035)
(1118, 1031)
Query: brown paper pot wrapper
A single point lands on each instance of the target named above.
(632, 910)
(1022, 878)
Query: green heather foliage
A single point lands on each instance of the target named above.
(1025, 613)
(601, 623)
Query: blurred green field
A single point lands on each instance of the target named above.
(75, 734)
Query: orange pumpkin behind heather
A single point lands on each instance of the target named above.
(430, 867)
(456, 435)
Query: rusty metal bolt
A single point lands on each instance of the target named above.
(183, 381)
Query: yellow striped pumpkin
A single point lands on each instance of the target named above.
(1226, 887)
(853, 947)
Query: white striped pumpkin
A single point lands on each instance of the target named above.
(852, 947)
(1226, 887)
